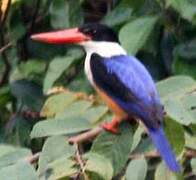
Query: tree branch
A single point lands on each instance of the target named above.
(86, 136)
(5, 47)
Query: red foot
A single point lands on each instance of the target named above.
(111, 126)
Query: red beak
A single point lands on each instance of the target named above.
(61, 37)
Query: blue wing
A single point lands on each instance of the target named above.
(128, 82)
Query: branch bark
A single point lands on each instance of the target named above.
(86, 136)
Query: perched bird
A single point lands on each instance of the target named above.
(121, 80)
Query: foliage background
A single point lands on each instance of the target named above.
(37, 121)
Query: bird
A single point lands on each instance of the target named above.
(122, 81)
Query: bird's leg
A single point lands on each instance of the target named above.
(112, 126)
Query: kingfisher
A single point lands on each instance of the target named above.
(121, 80)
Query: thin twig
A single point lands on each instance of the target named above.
(5, 47)
(33, 158)
(86, 136)
(81, 163)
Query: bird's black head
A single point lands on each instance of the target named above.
(99, 32)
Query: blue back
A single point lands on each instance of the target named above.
(128, 82)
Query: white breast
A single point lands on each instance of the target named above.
(104, 49)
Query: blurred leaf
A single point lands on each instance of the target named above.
(60, 127)
(18, 130)
(177, 139)
(5, 95)
(10, 155)
(18, 171)
(117, 16)
(54, 148)
(193, 165)
(60, 169)
(16, 26)
(184, 67)
(77, 108)
(133, 36)
(65, 13)
(57, 66)
(57, 103)
(116, 148)
(94, 114)
(163, 173)
(137, 169)
(190, 141)
(59, 14)
(28, 93)
(99, 165)
(175, 92)
(137, 137)
(186, 50)
(187, 9)
(28, 70)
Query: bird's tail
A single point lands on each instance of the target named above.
(164, 148)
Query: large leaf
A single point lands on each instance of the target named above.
(60, 127)
(137, 169)
(65, 13)
(116, 148)
(178, 97)
(28, 93)
(28, 70)
(57, 103)
(99, 165)
(10, 155)
(61, 168)
(54, 148)
(133, 35)
(117, 16)
(193, 165)
(19, 171)
(186, 8)
(163, 173)
(176, 139)
(57, 66)
(77, 108)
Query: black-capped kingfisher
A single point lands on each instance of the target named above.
(121, 80)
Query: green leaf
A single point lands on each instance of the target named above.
(28, 70)
(28, 93)
(10, 155)
(77, 108)
(137, 169)
(133, 36)
(57, 103)
(163, 173)
(177, 139)
(193, 165)
(60, 127)
(186, 49)
(5, 95)
(54, 148)
(60, 169)
(18, 171)
(94, 114)
(178, 97)
(116, 148)
(190, 141)
(137, 137)
(59, 14)
(117, 16)
(99, 165)
(57, 66)
(186, 8)
(65, 13)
